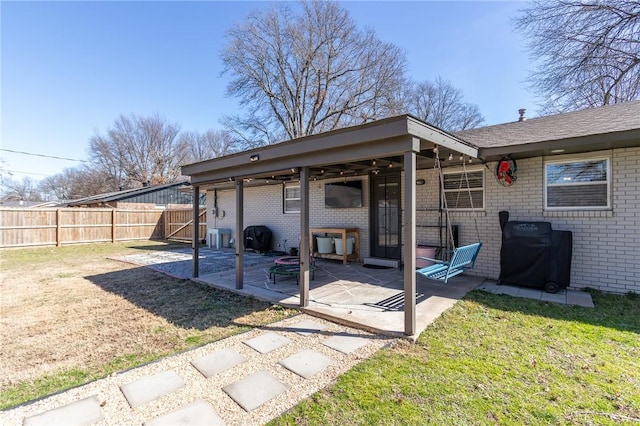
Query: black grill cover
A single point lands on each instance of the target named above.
(257, 238)
(561, 252)
(533, 255)
(524, 256)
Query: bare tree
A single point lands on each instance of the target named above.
(19, 190)
(588, 51)
(138, 151)
(441, 104)
(78, 182)
(211, 144)
(308, 69)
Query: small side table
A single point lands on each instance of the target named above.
(216, 234)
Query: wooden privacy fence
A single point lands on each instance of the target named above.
(44, 227)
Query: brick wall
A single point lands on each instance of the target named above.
(605, 243)
(264, 206)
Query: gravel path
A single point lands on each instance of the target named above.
(117, 411)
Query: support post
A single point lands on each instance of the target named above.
(304, 250)
(239, 233)
(410, 242)
(195, 241)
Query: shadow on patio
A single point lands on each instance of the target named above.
(370, 299)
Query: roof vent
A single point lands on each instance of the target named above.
(521, 112)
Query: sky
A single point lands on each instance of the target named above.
(70, 69)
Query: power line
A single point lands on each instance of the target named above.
(43, 155)
(23, 173)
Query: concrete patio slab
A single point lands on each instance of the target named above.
(217, 362)
(559, 297)
(267, 342)
(149, 388)
(529, 293)
(489, 286)
(307, 363)
(345, 343)
(84, 412)
(198, 412)
(254, 390)
(509, 290)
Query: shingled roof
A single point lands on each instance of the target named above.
(125, 194)
(587, 125)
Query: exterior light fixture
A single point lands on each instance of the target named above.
(450, 157)
(420, 182)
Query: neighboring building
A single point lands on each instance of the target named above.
(170, 195)
(579, 170)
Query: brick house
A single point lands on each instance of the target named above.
(579, 170)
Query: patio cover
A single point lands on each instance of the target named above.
(403, 140)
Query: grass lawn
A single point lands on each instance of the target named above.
(497, 360)
(69, 315)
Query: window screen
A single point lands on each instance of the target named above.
(578, 184)
(292, 199)
(464, 192)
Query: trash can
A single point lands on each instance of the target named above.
(534, 255)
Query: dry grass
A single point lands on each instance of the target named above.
(72, 308)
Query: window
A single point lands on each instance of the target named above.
(464, 192)
(292, 199)
(578, 184)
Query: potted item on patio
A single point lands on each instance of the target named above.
(425, 251)
(325, 244)
(350, 243)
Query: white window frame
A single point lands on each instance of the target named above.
(465, 191)
(285, 198)
(566, 160)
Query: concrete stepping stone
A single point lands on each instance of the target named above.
(267, 342)
(152, 387)
(580, 298)
(345, 343)
(254, 390)
(84, 412)
(306, 363)
(554, 297)
(307, 327)
(217, 362)
(198, 412)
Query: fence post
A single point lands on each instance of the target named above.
(166, 214)
(113, 225)
(58, 225)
